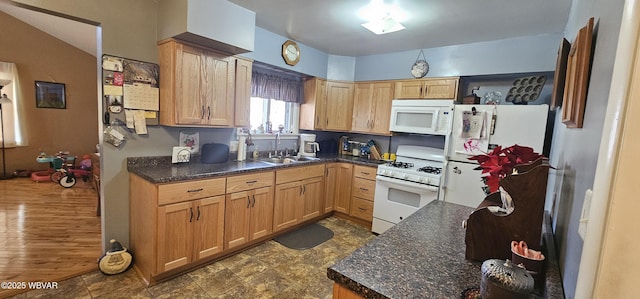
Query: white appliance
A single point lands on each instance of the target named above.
(524, 125)
(308, 145)
(421, 116)
(406, 185)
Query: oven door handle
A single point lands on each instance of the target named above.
(406, 183)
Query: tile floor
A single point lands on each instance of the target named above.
(269, 270)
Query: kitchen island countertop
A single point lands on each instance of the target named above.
(423, 256)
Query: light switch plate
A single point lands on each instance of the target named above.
(584, 216)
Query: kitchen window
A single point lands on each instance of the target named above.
(277, 113)
(276, 95)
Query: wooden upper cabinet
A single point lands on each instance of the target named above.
(440, 88)
(372, 107)
(363, 107)
(312, 111)
(243, 92)
(197, 86)
(339, 106)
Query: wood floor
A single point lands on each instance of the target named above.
(47, 233)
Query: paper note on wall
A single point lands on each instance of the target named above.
(110, 90)
(140, 122)
(141, 96)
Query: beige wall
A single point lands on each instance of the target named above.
(41, 57)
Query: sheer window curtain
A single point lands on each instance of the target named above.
(10, 117)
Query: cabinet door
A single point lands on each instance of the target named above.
(175, 236)
(312, 111)
(381, 98)
(217, 87)
(339, 106)
(330, 191)
(343, 188)
(243, 92)
(441, 89)
(363, 107)
(188, 100)
(236, 225)
(209, 226)
(409, 89)
(313, 198)
(261, 217)
(287, 203)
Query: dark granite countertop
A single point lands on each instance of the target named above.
(160, 169)
(423, 256)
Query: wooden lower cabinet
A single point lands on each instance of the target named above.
(249, 216)
(176, 224)
(338, 187)
(340, 292)
(189, 231)
(362, 192)
(299, 195)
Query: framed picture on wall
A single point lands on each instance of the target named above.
(50, 95)
(577, 77)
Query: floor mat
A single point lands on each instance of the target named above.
(305, 237)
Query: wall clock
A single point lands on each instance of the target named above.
(290, 52)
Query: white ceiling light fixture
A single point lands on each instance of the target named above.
(385, 25)
(382, 18)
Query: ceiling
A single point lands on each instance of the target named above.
(332, 26)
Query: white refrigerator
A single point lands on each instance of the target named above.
(477, 129)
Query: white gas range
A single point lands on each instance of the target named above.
(406, 185)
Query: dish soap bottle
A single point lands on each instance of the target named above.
(256, 153)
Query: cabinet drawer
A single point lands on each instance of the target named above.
(299, 173)
(177, 192)
(249, 181)
(361, 208)
(363, 188)
(364, 172)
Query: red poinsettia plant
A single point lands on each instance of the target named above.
(500, 162)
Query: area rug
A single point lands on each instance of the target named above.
(305, 237)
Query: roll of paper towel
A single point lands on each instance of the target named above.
(242, 148)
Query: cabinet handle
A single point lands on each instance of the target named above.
(254, 201)
(364, 173)
(195, 190)
(364, 189)
(251, 182)
(208, 112)
(198, 217)
(248, 201)
(190, 214)
(304, 189)
(300, 189)
(361, 209)
(202, 109)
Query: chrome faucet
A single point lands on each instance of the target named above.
(275, 150)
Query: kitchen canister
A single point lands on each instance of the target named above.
(503, 279)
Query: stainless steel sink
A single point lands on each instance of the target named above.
(287, 160)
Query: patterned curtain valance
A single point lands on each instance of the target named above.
(270, 84)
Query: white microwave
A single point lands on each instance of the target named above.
(421, 116)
